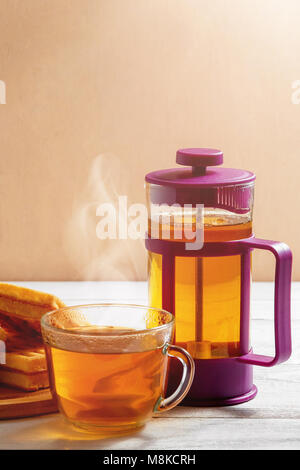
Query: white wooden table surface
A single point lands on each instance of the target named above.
(270, 421)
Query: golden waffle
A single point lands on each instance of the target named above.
(25, 369)
(19, 334)
(27, 382)
(26, 361)
(20, 312)
(27, 304)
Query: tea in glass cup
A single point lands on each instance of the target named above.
(108, 364)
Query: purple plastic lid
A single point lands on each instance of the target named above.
(201, 182)
(196, 172)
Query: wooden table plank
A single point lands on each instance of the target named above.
(51, 432)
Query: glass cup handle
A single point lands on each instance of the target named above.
(165, 404)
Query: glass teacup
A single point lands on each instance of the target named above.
(108, 364)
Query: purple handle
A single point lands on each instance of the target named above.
(283, 343)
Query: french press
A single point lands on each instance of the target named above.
(205, 280)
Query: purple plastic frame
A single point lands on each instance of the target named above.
(229, 381)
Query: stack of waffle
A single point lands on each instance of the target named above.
(20, 312)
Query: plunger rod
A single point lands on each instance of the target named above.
(199, 300)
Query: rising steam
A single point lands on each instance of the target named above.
(92, 258)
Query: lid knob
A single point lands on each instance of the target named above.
(199, 158)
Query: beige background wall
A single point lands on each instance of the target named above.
(101, 91)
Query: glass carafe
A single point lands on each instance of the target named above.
(207, 285)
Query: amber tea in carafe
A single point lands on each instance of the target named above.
(207, 290)
(207, 287)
